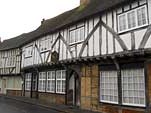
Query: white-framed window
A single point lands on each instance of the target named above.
(109, 87)
(51, 81)
(29, 51)
(2, 62)
(76, 35)
(10, 61)
(60, 81)
(42, 82)
(133, 87)
(45, 44)
(132, 19)
(28, 81)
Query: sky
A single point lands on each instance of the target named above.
(23, 16)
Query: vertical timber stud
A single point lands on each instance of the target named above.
(31, 88)
(146, 69)
(37, 81)
(119, 82)
(115, 35)
(67, 84)
(23, 83)
(132, 40)
(88, 37)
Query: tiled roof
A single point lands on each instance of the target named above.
(62, 20)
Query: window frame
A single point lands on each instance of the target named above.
(43, 80)
(61, 79)
(106, 101)
(30, 47)
(51, 79)
(28, 77)
(76, 31)
(131, 66)
(45, 42)
(133, 104)
(136, 18)
(10, 61)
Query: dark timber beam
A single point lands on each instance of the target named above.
(88, 37)
(145, 38)
(39, 53)
(65, 42)
(132, 40)
(50, 51)
(115, 35)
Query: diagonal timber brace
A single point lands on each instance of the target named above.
(61, 38)
(39, 53)
(88, 37)
(115, 35)
(50, 51)
(145, 38)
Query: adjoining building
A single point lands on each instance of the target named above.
(96, 56)
(10, 67)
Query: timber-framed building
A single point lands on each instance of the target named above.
(96, 56)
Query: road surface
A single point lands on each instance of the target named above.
(12, 106)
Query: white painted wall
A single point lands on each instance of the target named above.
(100, 43)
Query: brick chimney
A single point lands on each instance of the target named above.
(43, 20)
(84, 2)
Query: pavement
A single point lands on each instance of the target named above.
(12, 106)
(34, 105)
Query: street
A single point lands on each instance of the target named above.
(12, 106)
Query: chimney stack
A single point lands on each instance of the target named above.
(42, 21)
(84, 2)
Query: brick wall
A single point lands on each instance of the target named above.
(52, 98)
(14, 92)
(90, 93)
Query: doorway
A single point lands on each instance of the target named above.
(74, 90)
(3, 86)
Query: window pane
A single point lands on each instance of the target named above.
(141, 15)
(122, 22)
(108, 87)
(61, 81)
(77, 35)
(51, 81)
(131, 19)
(42, 81)
(28, 81)
(132, 89)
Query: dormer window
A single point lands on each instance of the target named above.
(76, 35)
(132, 19)
(45, 44)
(29, 51)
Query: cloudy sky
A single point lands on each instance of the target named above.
(21, 16)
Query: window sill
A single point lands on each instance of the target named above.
(28, 56)
(134, 105)
(60, 93)
(108, 102)
(123, 105)
(44, 51)
(70, 44)
(10, 66)
(133, 29)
